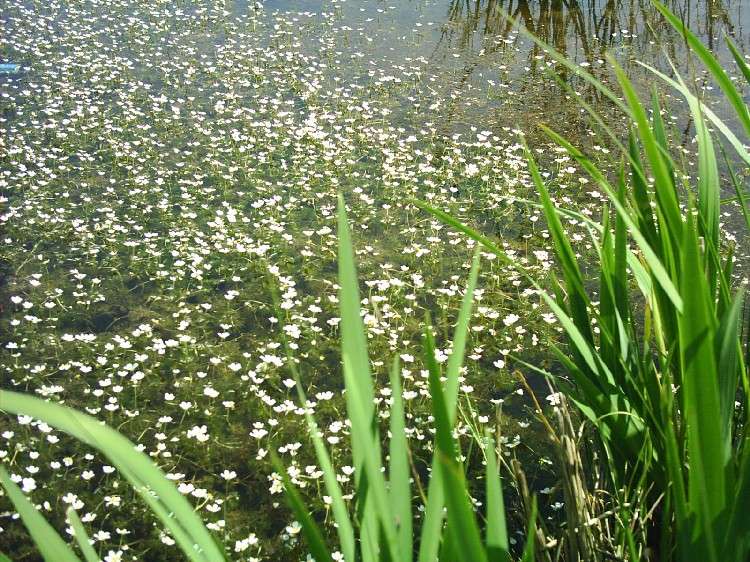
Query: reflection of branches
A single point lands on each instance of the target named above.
(568, 23)
(581, 29)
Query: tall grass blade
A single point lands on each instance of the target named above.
(737, 536)
(720, 125)
(713, 65)
(575, 68)
(739, 191)
(173, 509)
(81, 536)
(666, 194)
(652, 259)
(433, 519)
(377, 516)
(738, 58)
(708, 455)
(460, 334)
(529, 550)
(50, 545)
(461, 522)
(470, 232)
(496, 535)
(728, 351)
(578, 301)
(315, 541)
(399, 476)
(338, 506)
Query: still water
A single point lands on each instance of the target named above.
(163, 162)
(474, 45)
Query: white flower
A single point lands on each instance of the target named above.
(113, 556)
(294, 528)
(198, 432)
(244, 544)
(511, 319)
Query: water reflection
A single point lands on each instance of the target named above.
(492, 51)
(586, 29)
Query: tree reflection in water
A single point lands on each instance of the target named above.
(584, 30)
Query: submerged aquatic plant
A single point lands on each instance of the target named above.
(380, 527)
(135, 297)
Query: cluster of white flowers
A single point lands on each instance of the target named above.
(169, 178)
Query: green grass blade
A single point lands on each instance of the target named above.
(4, 558)
(461, 518)
(497, 531)
(530, 547)
(575, 68)
(81, 536)
(608, 342)
(720, 125)
(738, 528)
(621, 255)
(359, 389)
(739, 190)
(339, 508)
(50, 545)
(657, 268)
(360, 397)
(315, 541)
(429, 543)
(177, 514)
(713, 65)
(709, 193)
(625, 519)
(674, 463)
(738, 58)
(728, 347)
(641, 198)
(708, 455)
(666, 195)
(578, 299)
(470, 232)
(433, 519)
(455, 361)
(353, 335)
(399, 475)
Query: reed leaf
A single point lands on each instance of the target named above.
(50, 545)
(81, 537)
(399, 477)
(171, 507)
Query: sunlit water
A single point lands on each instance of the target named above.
(162, 164)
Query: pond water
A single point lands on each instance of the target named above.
(164, 163)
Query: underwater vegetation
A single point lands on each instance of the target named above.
(325, 334)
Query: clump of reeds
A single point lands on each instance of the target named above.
(663, 378)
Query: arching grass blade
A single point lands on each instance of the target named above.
(50, 545)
